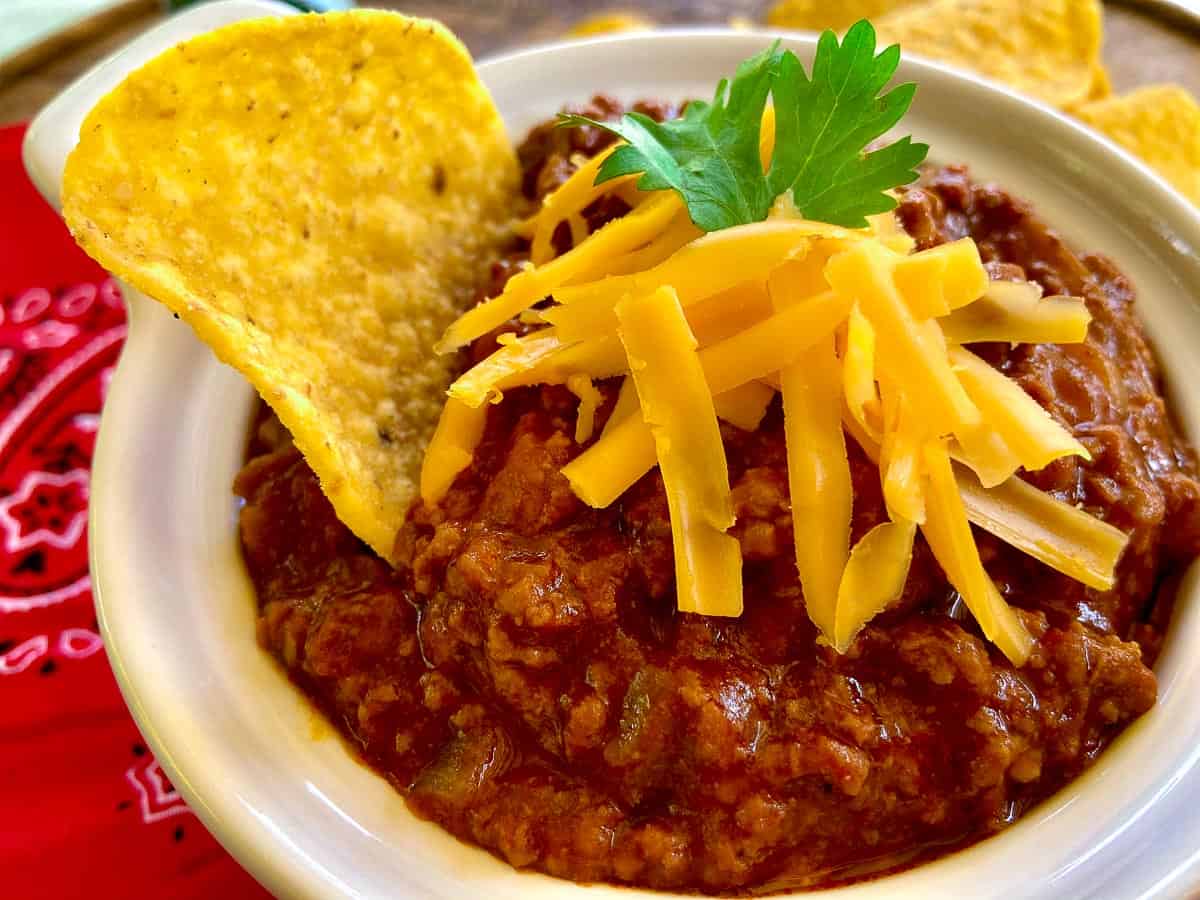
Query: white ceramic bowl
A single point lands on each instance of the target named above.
(285, 797)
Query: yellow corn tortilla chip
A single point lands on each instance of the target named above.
(817, 15)
(1048, 49)
(1161, 124)
(609, 23)
(1101, 82)
(314, 196)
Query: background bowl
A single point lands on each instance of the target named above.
(277, 787)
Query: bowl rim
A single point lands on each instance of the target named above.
(258, 848)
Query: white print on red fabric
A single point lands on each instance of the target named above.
(157, 797)
(78, 643)
(71, 643)
(24, 655)
(57, 352)
(46, 509)
(89, 423)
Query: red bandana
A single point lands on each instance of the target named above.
(88, 811)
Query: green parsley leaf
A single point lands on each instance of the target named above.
(710, 155)
(822, 125)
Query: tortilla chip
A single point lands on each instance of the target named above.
(1048, 49)
(817, 15)
(1101, 83)
(1161, 124)
(609, 23)
(314, 196)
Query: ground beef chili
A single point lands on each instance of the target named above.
(525, 680)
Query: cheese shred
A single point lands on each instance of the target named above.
(1015, 312)
(949, 537)
(818, 477)
(612, 465)
(918, 355)
(568, 200)
(452, 447)
(678, 407)
(589, 401)
(873, 579)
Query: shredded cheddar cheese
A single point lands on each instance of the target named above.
(921, 280)
(701, 269)
(1063, 537)
(873, 580)
(886, 227)
(452, 447)
(534, 284)
(904, 433)
(1035, 439)
(729, 312)
(917, 348)
(858, 373)
(818, 477)
(681, 231)
(941, 279)
(804, 276)
(1054, 533)
(1015, 312)
(949, 536)
(571, 198)
(757, 351)
(538, 358)
(625, 450)
(861, 335)
(626, 405)
(578, 228)
(984, 451)
(504, 368)
(766, 137)
(744, 406)
(589, 401)
(613, 464)
(678, 407)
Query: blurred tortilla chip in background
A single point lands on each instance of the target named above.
(817, 15)
(1101, 83)
(1046, 49)
(609, 23)
(314, 219)
(1161, 124)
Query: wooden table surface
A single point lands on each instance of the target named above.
(1140, 47)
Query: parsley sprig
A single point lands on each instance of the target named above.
(824, 123)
